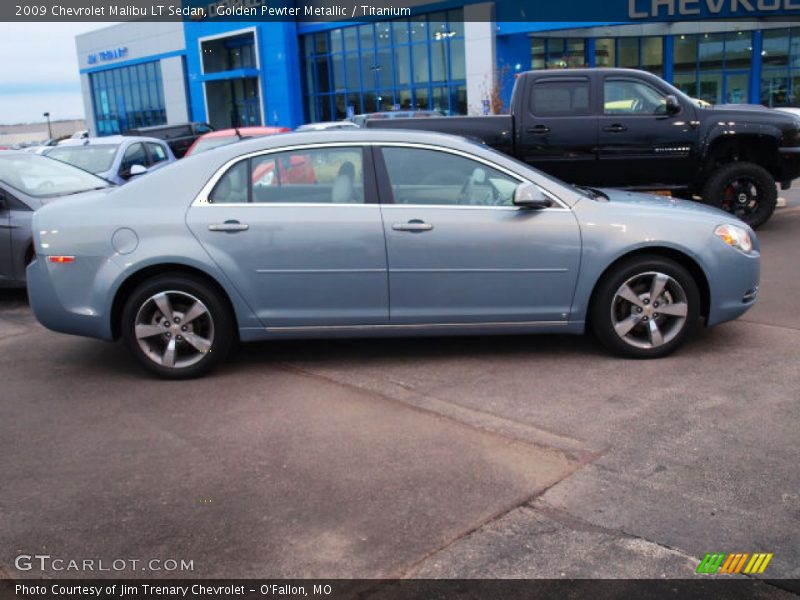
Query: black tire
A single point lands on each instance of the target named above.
(213, 329)
(609, 310)
(743, 189)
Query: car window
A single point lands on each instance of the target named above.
(333, 175)
(558, 98)
(134, 155)
(323, 175)
(157, 153)
(421, 176)
(626, 97)
(232, 186)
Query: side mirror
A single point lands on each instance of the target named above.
(673, 106)
(137, 170)
(528, 195)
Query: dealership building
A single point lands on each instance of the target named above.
(455, 60)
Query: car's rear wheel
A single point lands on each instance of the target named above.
(177, 326)
(743, 189)
(646, 307)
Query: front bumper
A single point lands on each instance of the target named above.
(789, 165)
(733, 285)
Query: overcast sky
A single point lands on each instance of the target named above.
(39, 71)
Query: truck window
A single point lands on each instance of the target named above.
(555, 98)
(627, 97)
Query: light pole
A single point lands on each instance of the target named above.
(49, 127)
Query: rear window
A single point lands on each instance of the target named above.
(214, 142)
(560, 98)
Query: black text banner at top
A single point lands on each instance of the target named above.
(578, 11)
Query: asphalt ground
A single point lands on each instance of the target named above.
(450, 457)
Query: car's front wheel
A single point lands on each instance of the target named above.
(646, 307)
(177, 326)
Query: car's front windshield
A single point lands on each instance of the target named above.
(95, 159)
(42, 177)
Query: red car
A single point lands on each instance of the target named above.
(227, 136)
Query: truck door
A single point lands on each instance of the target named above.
(640, 142)
(557, 132)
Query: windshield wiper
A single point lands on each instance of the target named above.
(591, 192)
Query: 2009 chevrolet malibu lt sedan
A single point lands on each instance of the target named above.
(371, 232)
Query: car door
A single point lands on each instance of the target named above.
(640, 143)
(6, 263)
(557, 131)
(460, 252)
(299, 233)
(15, 236)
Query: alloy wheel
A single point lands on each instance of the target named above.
(649, 310)
(174, 329)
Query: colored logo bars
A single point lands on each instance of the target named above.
(734, 563)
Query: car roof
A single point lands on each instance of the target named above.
(245, 131)
(343, 136)
(108, 140)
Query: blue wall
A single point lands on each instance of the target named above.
(279, 74)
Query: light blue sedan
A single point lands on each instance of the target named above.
(378, 233)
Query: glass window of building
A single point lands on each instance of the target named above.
(401, 64)
(229, 53)
(628, 53)
(127, 97)
(653, 54)
(605, 54)
(645, 53)
(776, 75)
(558, 53)
(714, 67)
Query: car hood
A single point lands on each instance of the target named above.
(672, 206)
(750, 111)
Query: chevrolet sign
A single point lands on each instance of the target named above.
(659, 9)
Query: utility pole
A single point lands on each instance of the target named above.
(49, 127)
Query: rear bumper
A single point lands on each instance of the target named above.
(64, 307)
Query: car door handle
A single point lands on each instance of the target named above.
(538, 129)
(616, 128)
(229, 226)
(412, 226)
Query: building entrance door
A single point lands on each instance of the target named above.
(234, 103)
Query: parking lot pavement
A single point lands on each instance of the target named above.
(453, 457)
(259, 471)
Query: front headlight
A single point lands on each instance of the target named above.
(735, 236)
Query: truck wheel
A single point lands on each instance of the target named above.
(645, 307)
(743, 189)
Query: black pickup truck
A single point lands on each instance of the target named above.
(630, 129)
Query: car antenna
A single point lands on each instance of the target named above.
(238, 133)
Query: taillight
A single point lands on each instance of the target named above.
(61, 259)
